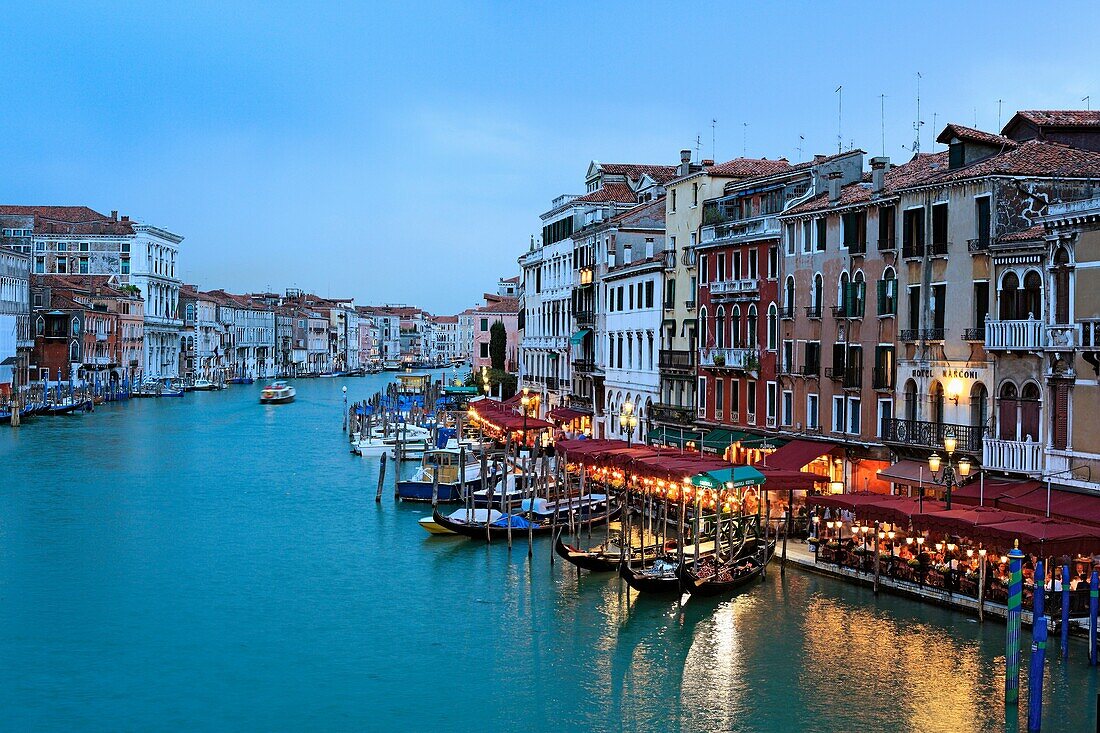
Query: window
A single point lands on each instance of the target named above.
(695, 194)
(649, 294)
(788, 407)
(912, 234)
(886, 219)
(39, 325)
(125, 266)
(735, 398)
(750, 401)
(719, 398)
(83, 265)
(789, 239)
(981, 303)
(885, 412)
(125, 247)
(813, 357)
(854, 225)
(631, 290)
(773, 327)
(770, 396)
(62, 246)
(812, 422)
(956, 155)
(484, 326)
(938, 305)
(914, 306)
(838, 413)
(820, 226)
(773, 262)
(672, 202)
(83, 246)
(853, 415)
(620, 298)
(720, 267)
(484, 350)
(981, 206)
(61, 266)
(754, 267)
(40, 265)
(787, 365)
(702, 394)
(939, 228)
(788, 297)
(888, 293)
(807, 237)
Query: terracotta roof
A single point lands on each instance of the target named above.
(657, 202)
(921, 167)
(748, 167)
(818, 160)
(513, 279)
(69, 220)
(1032, 158)
(633, 171)
(1059, 117)
(979, 136)
(1026, 235)
(619, 193)
(446, 319)
(502, 305)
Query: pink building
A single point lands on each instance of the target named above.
(505, 310)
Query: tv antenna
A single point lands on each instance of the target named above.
(882, 120)
(999, 103)
(918, 122)
(744, 138)
(698, 146)
(839, 91)
(713, 124)
(801, 139)
(1087, 99)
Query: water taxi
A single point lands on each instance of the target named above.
(277, 393)
(442, 474)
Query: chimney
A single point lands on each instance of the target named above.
(818, 158)
(685, 162)
(834, 186)
(126, 218)
(114, 214)
(706, 162)
(879, 166)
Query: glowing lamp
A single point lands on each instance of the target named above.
(954, 389)
(934, 462)
(981, 552)
(891, 535)
(964, 466)
(950, 443)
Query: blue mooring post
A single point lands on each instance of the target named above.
(1039, 596)
(1012, 635)
(1035, 675)
(1065, 610)
(1094, 596)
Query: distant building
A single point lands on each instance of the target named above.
(16, 341)
(506, 311)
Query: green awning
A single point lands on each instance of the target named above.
(716, 441)
(579, 336)
(759, 441)
(674, 437)
(459, 389)
(734, 477)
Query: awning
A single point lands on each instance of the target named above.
(964, 522)
(764, 441)
(452, 389)
(566, 414)
(1069, 505)
(782, 479)
(716, 441)
(731, 477)
(579, 336)
(1046, 537)
(906, 472)
(897, 509)
(849, 502)
(795, 455)
(675, 437)
(975, 493)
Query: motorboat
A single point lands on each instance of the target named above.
(205, 385)
(442, 476)
(277, 393)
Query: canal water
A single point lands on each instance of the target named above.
(208, 563)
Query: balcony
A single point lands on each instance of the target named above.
(1063, 337)
(811, 370)
(979, 245)
(842, 311)
(786, 312)
(834, 373)
(732, 288)
(938, 249)
(585, 319)
(745, 230)
(584, 366)
(1012, 455)
(853, 378)
(813, 311)
(921, 334)
(1014, 335)
(883, 378)
(744, 359)
(670, 260)
(673, 415)
(912, 250)
(923, 434)
(974, 334)
(676, 361)
(889, 244)
(581, 403)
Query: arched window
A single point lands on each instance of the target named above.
(1032, 305)
(979, 412)
(1008, 297)
(788, 296)
(1061, 286)
(815, 294)
(706, 326)
(936, 400)
(773, 327)
(1029, 412)
(910, 400)
(752, 337)
(735, 327)
(74, 351)
(720, 327)
(39, 326)
(76, 326)
(842, 289)
(859, 293)
(1008, 405)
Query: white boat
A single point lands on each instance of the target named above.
(277, 393)
(205, 385)
(475, 515)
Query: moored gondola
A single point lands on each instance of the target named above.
(657, 577)
(604, 558)
(715, 577)
(542, 525)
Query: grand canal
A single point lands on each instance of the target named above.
(207, 563)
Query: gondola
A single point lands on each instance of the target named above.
(600, 559)
(64, 408)
(723, 577)
(659, 576)
(499, 528)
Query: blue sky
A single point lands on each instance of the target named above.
(403, 152)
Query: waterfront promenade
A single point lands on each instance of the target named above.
(212, 564)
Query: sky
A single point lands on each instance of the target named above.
(402, 152)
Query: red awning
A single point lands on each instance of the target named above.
(1046, 537)
(965, 522)
(848, 502)
(795, 455)
(566, 414)
(1067, 505)
(906, 472)
(514, 399)
(897, 509)
(782, 479)
(975, 494)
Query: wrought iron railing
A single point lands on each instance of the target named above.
(676, 360)
(924, 434)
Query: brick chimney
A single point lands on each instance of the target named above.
(879, 166)
(685, 162)
(834, 186)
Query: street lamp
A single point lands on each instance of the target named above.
(525, 402)
(628, 420)
(954, 471)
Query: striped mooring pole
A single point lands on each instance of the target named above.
(1094, 606)
(1065, 610)
(1012, 637)
(1035, 675)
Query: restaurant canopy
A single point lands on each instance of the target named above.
(906, 472)
(1045, 537)
(796, 454)
(848, 502)
(731, 477)
(578, 337)
(987, 492)
(1067, 505)
(782, 479)
(676, 437)
(897, 509)
(964, 522)
(566, 414)
(764, 441)
(716, 441)
(501, 416)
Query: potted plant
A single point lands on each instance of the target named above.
(719, 359)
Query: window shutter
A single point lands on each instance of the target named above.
(838, 358)
(882, 295)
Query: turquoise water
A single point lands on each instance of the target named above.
(208, 563)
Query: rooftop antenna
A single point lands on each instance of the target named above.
(713, 124)
(839, 108)
(882, 120)
(1087, 99)
(999, 103)
(698, 146)
(744, 138)
(918, 122)
(801, 139)
(932, 145)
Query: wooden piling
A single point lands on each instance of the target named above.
(381, 478)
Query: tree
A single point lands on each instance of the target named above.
(498, 343)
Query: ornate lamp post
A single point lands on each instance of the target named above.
(953, 471)
(525, 402)
(628, 420)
